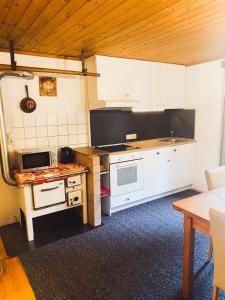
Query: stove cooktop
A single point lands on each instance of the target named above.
(115, 148)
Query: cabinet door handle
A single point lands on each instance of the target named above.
(127, 199)
(174, 150)
(50, 189)
(157, 153)
(168, 160)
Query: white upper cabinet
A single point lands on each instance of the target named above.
(114, 87)
(143, 85)
(172, 86)
(147, 85)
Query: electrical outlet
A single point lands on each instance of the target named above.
(131, 136)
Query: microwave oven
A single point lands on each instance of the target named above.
(34, 160)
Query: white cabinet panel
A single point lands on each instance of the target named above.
(153, 85)
(183, 158)
(147, 85)
(168, 172)
(157, 174)
(172, 86)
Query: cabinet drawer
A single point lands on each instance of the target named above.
(160, 152)
(122, 200)
(73, 180)
(125, 157)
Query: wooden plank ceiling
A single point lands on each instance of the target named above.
(175, 31)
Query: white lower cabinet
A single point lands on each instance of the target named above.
(168, 169)
(182, 165)
(164, 170)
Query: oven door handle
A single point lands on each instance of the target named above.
(50, 189)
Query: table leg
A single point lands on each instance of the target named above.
(188, 260)
(29, 226)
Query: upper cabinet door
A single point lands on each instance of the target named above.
(173, 86)
(116, 81)
(147, 85)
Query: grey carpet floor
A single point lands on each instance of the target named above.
(137, 254)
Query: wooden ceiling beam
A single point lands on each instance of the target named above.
(4, 67)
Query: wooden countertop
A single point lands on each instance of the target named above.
(158, 143)
(137, 146)
(90, 151)
(61, 171)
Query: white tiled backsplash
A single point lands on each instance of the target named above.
(50, 130)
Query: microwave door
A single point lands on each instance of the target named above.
(126, 177)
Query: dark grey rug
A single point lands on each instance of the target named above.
(137, 254)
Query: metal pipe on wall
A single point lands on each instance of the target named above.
(6, 174)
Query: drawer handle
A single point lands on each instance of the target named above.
(50, 189)
(157, 153)
(127, 199)
(168, 160)
(174, 150)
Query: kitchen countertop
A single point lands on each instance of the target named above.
(137, 146)
(90, 151)
(158, 143)
(61, 171)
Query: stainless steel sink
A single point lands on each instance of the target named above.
(173, 140)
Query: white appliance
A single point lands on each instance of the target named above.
(126, 173)
(48, 193)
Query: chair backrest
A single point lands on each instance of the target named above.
(217, 219)
(215, 178)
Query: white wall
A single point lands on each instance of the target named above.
(57, 121)
(205, 93)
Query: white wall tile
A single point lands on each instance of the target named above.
(63, 140)
(29, 121)
(63, 130)
(17, 121)
(19, 144)
(81, 117)
(41, 131)
(52, 131)
(72, 129)
(30, 132)
(73, 139)
(18, 133)
(31, 143)
(82, 139)
(81, 128)
(53, 141)
(72, 119)
(8, 124)
(62, 119)
(40, 120)
(51, 120)
(42, 142)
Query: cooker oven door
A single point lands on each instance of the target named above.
(126, 177)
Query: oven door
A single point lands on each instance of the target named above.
(126, 177)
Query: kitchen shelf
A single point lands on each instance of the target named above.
(104, 172)
(105, 195)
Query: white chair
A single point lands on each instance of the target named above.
(217, 220)
(215, 178)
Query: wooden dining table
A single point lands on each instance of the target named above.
(196, 217)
